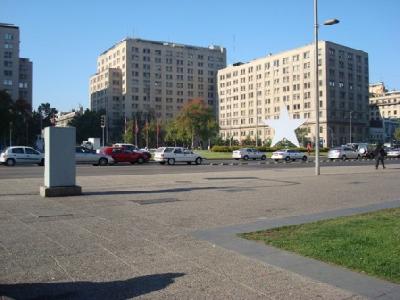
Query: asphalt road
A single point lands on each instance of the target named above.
(33, 171)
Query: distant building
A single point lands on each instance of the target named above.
(252, 92)
(63, 118)
(384, 112)
(16, 72)
(141, 77)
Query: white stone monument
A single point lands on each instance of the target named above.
(59, 163)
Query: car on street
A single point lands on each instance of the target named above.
(248, 153)
(121, 154)
(86, 156)
(172, 155)
(364, 149)
(21, 155)
(395, 152)
(343, 152)
(288, 155)
(132, 147)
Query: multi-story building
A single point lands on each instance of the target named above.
(16, 72)
(384, 112)
(63, 118)
(384, 104)
(252, 92)
(144, 77)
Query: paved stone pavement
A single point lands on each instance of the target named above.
(132, 236)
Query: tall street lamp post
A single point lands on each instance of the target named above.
(328, 22)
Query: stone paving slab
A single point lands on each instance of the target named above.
(106, 242)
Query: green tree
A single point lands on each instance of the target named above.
(6, 116)
(87, 125)
(129, 134)
(396, 134)
(301, 134)
(196, 121)
(47, 114)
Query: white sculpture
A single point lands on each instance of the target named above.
(284, 127)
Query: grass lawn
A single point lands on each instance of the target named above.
(214, 155)
(368, 243)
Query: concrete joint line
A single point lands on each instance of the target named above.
(371, 287)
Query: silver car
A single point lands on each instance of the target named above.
(248, 153)
(288, 155)
(343, 152)
(21, 155)
(393, 152)
(87, 156)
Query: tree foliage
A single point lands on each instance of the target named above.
(195, 123)
(396, 134)
(87, 125)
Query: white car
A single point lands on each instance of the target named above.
(87, 156)
(393, 152)
(343, 152)
(288, 155)
(171, 155)
(248, 153)
(21, 155)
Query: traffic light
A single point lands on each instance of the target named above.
(103, 121)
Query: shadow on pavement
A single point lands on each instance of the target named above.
(174, 190)
(117, 290)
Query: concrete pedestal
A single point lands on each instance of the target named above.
(60, 191)
(59, 163)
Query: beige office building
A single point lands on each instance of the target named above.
(384, 112)
(16, 72)
(384, 104)
(252, 92)
(142, 77)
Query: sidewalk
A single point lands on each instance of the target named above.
(132, 236)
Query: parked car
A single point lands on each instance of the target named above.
(364, 149)
(248, 153)
(343, 152)
(120, 154)
(395, 152)
(87, 156)
(171, 155)
(21, 155)
(132, 147)
(288, 155)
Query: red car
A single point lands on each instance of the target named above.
(120, 154)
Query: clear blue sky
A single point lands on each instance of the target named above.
(64, 38)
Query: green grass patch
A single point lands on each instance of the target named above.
(367, 243)
(214, 155)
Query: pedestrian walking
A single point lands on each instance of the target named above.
(379, 156)
(309, 148)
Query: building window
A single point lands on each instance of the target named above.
(8, 36)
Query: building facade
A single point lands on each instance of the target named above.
(252, 92)
(16, 72)
(63, 118)
(141, 77)
(384, 112)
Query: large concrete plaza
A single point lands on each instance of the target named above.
(137, 235)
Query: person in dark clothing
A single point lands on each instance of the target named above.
(379, 156)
